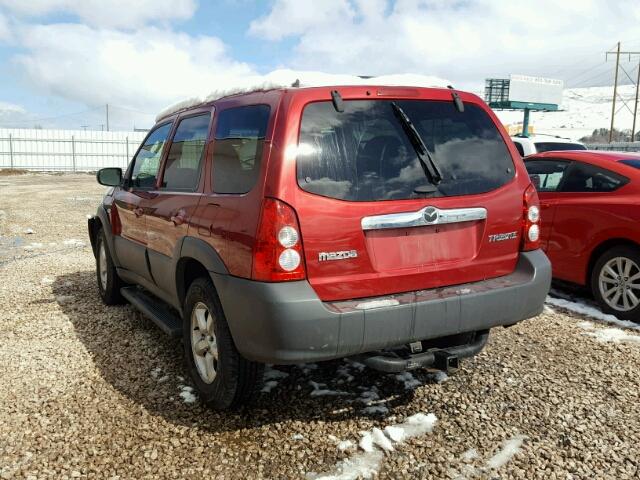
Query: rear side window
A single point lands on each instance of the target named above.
(546, 175)
(583, 177)
(147, 162)
(238, 146)
(182, 170)
(363, 153)
(632, 163)
(557, 146)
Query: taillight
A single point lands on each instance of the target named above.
(277, 252)
(531, 220)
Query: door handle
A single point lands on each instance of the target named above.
(138, 211)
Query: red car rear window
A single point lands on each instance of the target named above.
(363, 153)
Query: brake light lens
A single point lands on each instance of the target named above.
(531, 220)
(277, 252)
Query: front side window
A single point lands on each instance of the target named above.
(583, 177)
(546, 175)
(364, 154)
(557, 146)
(147, 162)
(182, 170)
(237, 151)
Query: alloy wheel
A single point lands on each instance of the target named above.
(619, 283)
(203, 342)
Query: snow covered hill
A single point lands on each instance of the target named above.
(583, 110)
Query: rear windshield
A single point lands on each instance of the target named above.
(363, 153)
(556, 146)
(631, 163)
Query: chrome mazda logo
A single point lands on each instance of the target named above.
(430, 214)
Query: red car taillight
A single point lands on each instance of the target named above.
(277, 253)
(531, 220)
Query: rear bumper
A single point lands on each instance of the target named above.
(285, 323)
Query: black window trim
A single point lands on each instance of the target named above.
(127, 180)
(214, 125)
(565, 172)
(202, 164)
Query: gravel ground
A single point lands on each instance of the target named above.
(88, 391)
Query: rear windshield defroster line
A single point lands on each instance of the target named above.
(364, 153)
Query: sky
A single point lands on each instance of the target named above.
(62, 61)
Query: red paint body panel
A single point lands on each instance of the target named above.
(389, 261)
(574, 225)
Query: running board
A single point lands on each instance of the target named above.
(154, 309)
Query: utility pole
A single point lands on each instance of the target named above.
(617, 53)
(615, 93)
(635, 107)
(107, 106)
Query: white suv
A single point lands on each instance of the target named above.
(544, 143)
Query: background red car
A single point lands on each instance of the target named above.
(590, 228)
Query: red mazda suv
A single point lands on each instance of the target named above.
(393, 224)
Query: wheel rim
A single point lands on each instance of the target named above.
(619, 283)
(203, 342)
(102, 266)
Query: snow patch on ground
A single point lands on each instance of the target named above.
(374, 443)
(321, 390)
(606, 335)
(46, 281)
(410, 382)
(589, 311)
(297, 436)
(271, 378)
(187, 394)
(73, 242)
(509, 448)
(371, 399)
(506, 452)
(345, 445)
(470, 454)
(307, 368)
(28, 231)
(64, 299)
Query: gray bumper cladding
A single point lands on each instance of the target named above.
(285, 323)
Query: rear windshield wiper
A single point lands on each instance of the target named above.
(431, 170)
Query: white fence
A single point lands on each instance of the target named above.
(66, 150)
(616, 146)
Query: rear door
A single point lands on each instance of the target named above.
(547, 175)
(168, 214)
(366, 228)
(131, 200)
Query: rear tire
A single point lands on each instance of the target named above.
(615, 282)
(224, 379)
(109, 283)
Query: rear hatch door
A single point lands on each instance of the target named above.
(369, 228)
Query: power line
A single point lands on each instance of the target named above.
(617, 53)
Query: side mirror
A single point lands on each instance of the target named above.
(110, 177)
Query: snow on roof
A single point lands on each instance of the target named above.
(285, 79)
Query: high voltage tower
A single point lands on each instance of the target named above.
(617, 53)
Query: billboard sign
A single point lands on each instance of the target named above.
(523, 88)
